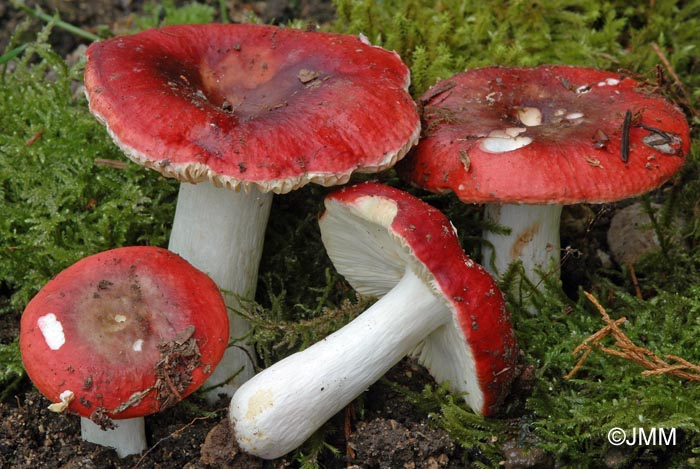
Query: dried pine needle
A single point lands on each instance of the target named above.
(626, 349)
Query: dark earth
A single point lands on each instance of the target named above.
(382, 429)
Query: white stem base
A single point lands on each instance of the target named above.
(128, 438)
(221, 232)
(278, 409)
(534, 239)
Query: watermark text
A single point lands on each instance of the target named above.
(642, 436)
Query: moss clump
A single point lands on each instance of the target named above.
(58, 203)
(440, 38)
(167, 13)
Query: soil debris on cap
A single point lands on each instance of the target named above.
(178, 358)
(305, 76)
(100, 418)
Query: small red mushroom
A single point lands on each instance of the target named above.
(526, 141)
(122, 334)
(253, 109)
(435, 303)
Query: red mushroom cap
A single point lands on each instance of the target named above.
(548, 134)
(421, 238)
(245, 105)
(128, 331)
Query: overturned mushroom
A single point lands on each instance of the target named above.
(435, 303)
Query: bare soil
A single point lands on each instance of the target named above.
(195, 434)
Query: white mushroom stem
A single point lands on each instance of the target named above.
(221, 232)
(129, 436)
(279, 408)
(533, 239)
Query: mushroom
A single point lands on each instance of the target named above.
(253, 110)
(435, 303)
(526, 141)
(122, 334)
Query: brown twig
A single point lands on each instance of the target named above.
(32, 140)
(347, 430)
(176, 432)
(676, 81)
(625, 148)
(625, 348)
(116, 164)
(635, 281)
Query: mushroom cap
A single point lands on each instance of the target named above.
(243, 105)
(373, 233)
(545, 135)
(129, 331)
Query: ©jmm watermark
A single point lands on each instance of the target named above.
(642, 436)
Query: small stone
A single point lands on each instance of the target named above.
(221, 450)
(631, 234)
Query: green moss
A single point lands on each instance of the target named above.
(166, 13)
(275, 338)
(59, 206)
(11, 369)
(438, 39)
(571, 418)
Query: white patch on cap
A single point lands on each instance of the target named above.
(574, 115)
(138, 345)
(501, 141)
(120, 318)
(530, 116)
(52, 330)
(667, 144)
(66, 398)
(510, 132)
(377, 209)
(609, 82)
